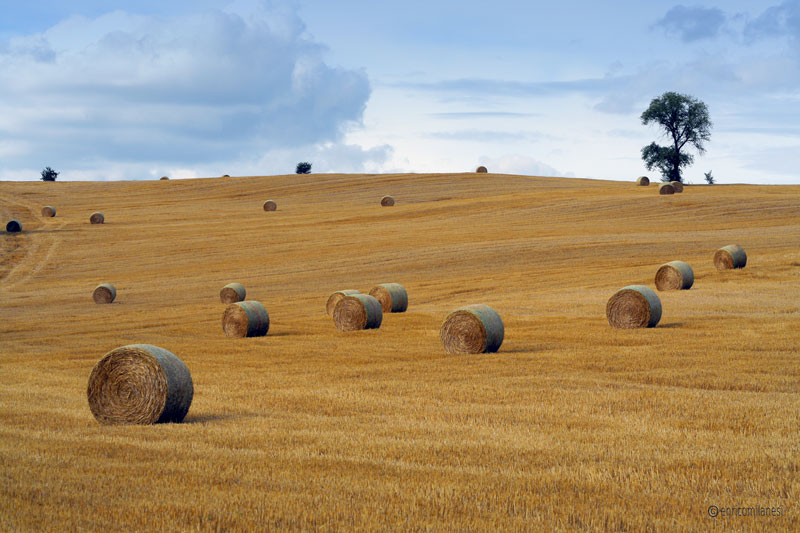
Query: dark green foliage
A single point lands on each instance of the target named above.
(709, 177)
(685, 121)
(303, 168)
(48, 174)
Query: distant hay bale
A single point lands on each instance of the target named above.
(666, 188)
(232, 293)
(481, 170)
(245, 319)
(225, 176)
(634, 306)
(677, 185)
(472, 329)
(674, 276)
(392, 297)
(105, 293)
(48, 211)
(356, 312)
(334, 298)
(14, 226)
(644, 181)
(270, 205)
(164, 177)
(387, 201)
(97, 218)
(140, 384)
(730, 257)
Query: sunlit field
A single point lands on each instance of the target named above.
(572, 425)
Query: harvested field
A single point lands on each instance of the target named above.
(571, 425)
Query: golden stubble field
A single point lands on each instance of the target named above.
(572, 425)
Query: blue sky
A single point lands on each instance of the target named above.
(135, 90)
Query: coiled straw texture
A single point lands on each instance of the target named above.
(232, 293)
(356, 312)
(48, 211)
(140, 384)
(387, 201)
(666, 188)
(634, 306)
(481, 170)
(334, 299)
(245, 319)
(472, 329)
(674, 276)
(677, 185)
(97, 218)
(644, 181)
(270, 205)
(105, 293)
(729, 257)
(392, 297)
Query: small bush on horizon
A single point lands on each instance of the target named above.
(303, 168)
(48, 174)
(709, 177)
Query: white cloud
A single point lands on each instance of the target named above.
(518, 164)
(195, 92)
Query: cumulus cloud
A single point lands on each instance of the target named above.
(188, 91)
(693, 23)
(776, 21)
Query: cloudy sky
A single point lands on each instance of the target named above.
(105, 89)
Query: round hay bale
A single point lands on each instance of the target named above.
(357, 311)
(164, 177)
(232, 293)
(140, 384)
(674, 276)
(730, 257)
(334, 299)
(225, 176)
(245, 319)
(472, 329)
(392, 297)
(634, 306)
(677, 185)
(666, 188)
(387, 201)
(14, 226)
(270, 205)
(105, 293)
(644, 181)
(97, 218)
(48, 211)
(481, 170)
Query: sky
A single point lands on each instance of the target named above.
(109, 90)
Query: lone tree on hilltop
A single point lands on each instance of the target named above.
(685, 121)
(303, 168)
(48, 174)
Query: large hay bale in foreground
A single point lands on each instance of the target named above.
(634, 306)
(270, 205)
(674, 276)
(140, 384)
(481, 170)
(644, 181)
(334, 299)
(14, 226)
(392, 297)
(677, 185)
(666, 188)
(232, 293)
(245, 319)
(97, 218)
(48, 211)
(105, 293)
(356, 312)
(387, 201)
(730, 257)
(472, 329)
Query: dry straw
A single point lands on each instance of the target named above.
(140, 384)
(334, 299)
(14, 226)
(97, 218)
(357, 311)
(481, 170)
(666, 188)
(270, 205)
(674, 276)
(729, 257)
(225, 176)
(677, 185)
(48, 211)
(392, 297)
(644, 181)
(164, 177)
(232, 293)
(105, 293)
(634, 306)
(387, 201)
(472, 329)
(245, 319)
